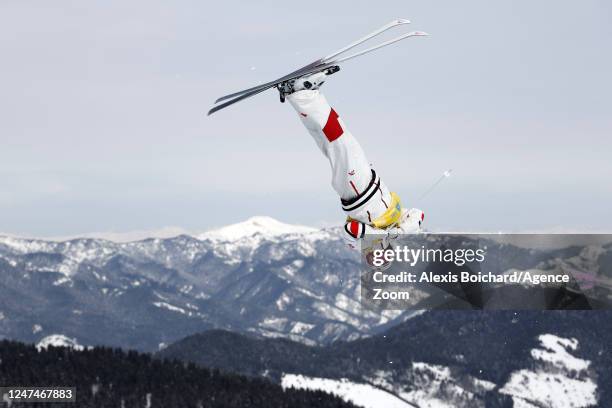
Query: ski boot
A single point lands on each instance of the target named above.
(310, 81)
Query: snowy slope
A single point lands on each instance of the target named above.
(363, 395)
(452, 359)
(558, 379)
(58, 340)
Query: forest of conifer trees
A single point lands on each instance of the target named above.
(107, 377)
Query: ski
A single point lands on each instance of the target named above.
(373, 34)
(319, 65)
(259, 89)
(381, 45)
(272, 83)
(319, 62)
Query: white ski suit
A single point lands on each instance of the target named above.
(365, 199)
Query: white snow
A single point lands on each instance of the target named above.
(439, 373)
(364, 395)
(283, 301)
(23, 246)
(333, 313)
(431, 378)
(484, 384)
(186, 289)
(344, 302)
(301, 328)
(555, 352)
(58, 340)
(168, 306)
(309, 293)
(293, 267)
(192, 307)
(36, 328)
(274, 323)
(265, 226)
(62, 280)
(550, 390)
(433, 386)
(99, 277)
(159, 295)
(559, 380)
(387, 315)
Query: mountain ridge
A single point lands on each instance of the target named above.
(262, 224)
(458, 358)
(298, 284)
(154, 291)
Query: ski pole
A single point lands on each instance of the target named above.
(444, 176)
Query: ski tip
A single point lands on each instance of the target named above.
(421, 33)
(224, 97)
(402, 21)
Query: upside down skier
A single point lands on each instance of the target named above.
(371, 208)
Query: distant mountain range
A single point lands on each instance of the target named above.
(437, 359)
(263, 298)
(260, 276)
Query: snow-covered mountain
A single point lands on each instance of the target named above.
(58, 340)
(278, 282)
(530, 359)
(260, 276)
(554, 378)
(261, 226)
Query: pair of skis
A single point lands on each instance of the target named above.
(328, 64)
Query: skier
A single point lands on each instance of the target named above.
(371, 208)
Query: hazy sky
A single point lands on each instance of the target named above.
(103, 125)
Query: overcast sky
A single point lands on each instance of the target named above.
(103, 125)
